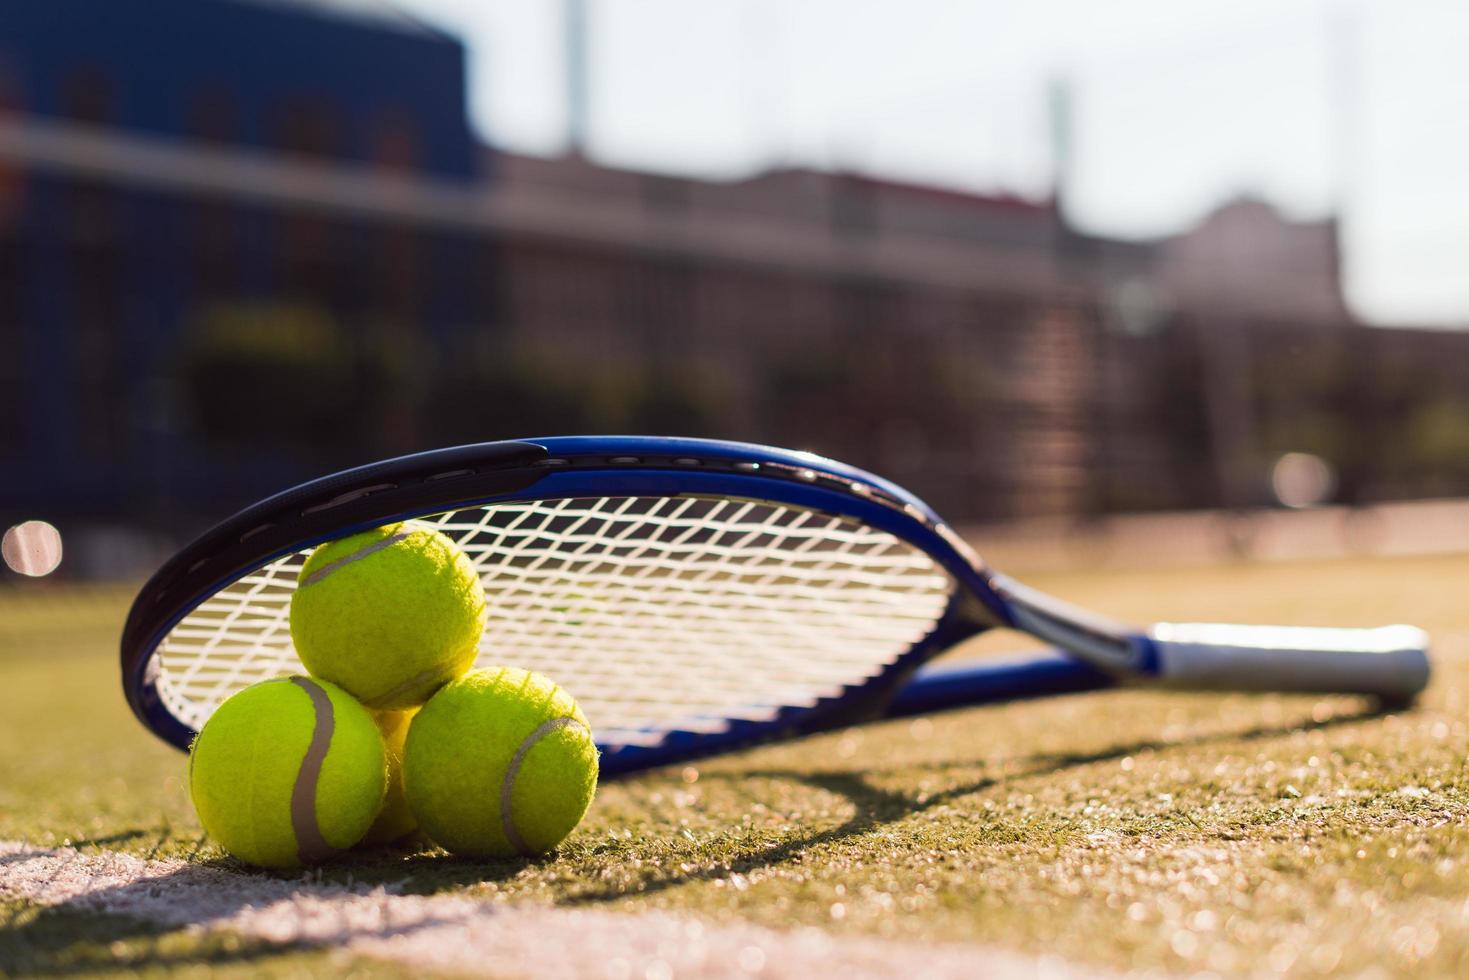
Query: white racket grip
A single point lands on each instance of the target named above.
(1389, 661)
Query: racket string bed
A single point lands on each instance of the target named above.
(659, 613)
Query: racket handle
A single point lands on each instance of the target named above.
(1390, 662)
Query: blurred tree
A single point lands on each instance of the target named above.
(687, 402)
(497, 392)
(1437, 434)
(502, 396)
(274, 375)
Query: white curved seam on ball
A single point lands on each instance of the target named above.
(507, 787)
(371, 549)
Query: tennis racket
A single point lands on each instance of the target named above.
(697, 596)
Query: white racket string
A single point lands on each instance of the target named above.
(657, 613)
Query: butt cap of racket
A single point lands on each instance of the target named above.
(1387, 662)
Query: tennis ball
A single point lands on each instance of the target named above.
(395, 821)
(288, 772)
(390, 614)
(500, 763)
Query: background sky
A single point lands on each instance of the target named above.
(1316, 105)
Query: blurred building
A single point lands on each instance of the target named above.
(347, 80)
(246, 243)
(110, 282)
(954, 340)
(1245, 257)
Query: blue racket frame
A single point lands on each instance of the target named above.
(579, 466)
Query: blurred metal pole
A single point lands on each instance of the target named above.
(1344, 39)
(578, 82)
(1060, 111)
(1072, 254)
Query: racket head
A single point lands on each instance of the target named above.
(693, 594)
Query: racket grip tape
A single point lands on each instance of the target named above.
(1390, 662)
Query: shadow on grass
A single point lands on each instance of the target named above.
(144, 925)
(94, 936)
(414, 870)
(418, 868)
(68, 941)
(874, 807)
(1041, 764)
(121, 837)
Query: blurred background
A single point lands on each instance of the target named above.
(1036, 262)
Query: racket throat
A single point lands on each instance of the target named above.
(1095, 639)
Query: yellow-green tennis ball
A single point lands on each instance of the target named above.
(395, 820)
(288, 772)
(500, 763)
(390, 614)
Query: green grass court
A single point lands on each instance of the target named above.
(1231, 834)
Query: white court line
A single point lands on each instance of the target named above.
(466, 935)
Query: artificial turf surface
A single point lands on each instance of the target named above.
(1234, 833)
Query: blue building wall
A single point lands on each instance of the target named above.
(161, 62)
(105, 286)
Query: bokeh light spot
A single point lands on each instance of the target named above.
(1302, 480)
(32, 548)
